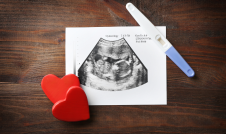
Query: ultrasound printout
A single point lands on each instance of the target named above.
(117, 65)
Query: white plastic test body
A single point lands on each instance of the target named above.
(163, 44)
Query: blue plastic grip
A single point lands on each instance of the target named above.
(179, 61)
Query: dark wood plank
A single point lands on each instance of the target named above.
(32, 44)
(26, 108)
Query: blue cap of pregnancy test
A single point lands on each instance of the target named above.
(179, 61)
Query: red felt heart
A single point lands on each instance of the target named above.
(74, 107)
(56, 88)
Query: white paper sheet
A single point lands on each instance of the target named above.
(80, 44)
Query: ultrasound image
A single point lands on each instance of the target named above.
(112, 66)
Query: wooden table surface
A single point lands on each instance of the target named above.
(32, 45)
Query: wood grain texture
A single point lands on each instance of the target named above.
(32, 45)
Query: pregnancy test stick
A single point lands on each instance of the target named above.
(160, 40)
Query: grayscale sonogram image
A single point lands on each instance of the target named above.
(112, 66)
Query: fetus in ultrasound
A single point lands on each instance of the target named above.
(112, 66)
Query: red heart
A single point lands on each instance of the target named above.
(56, 88)
(74, 107)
